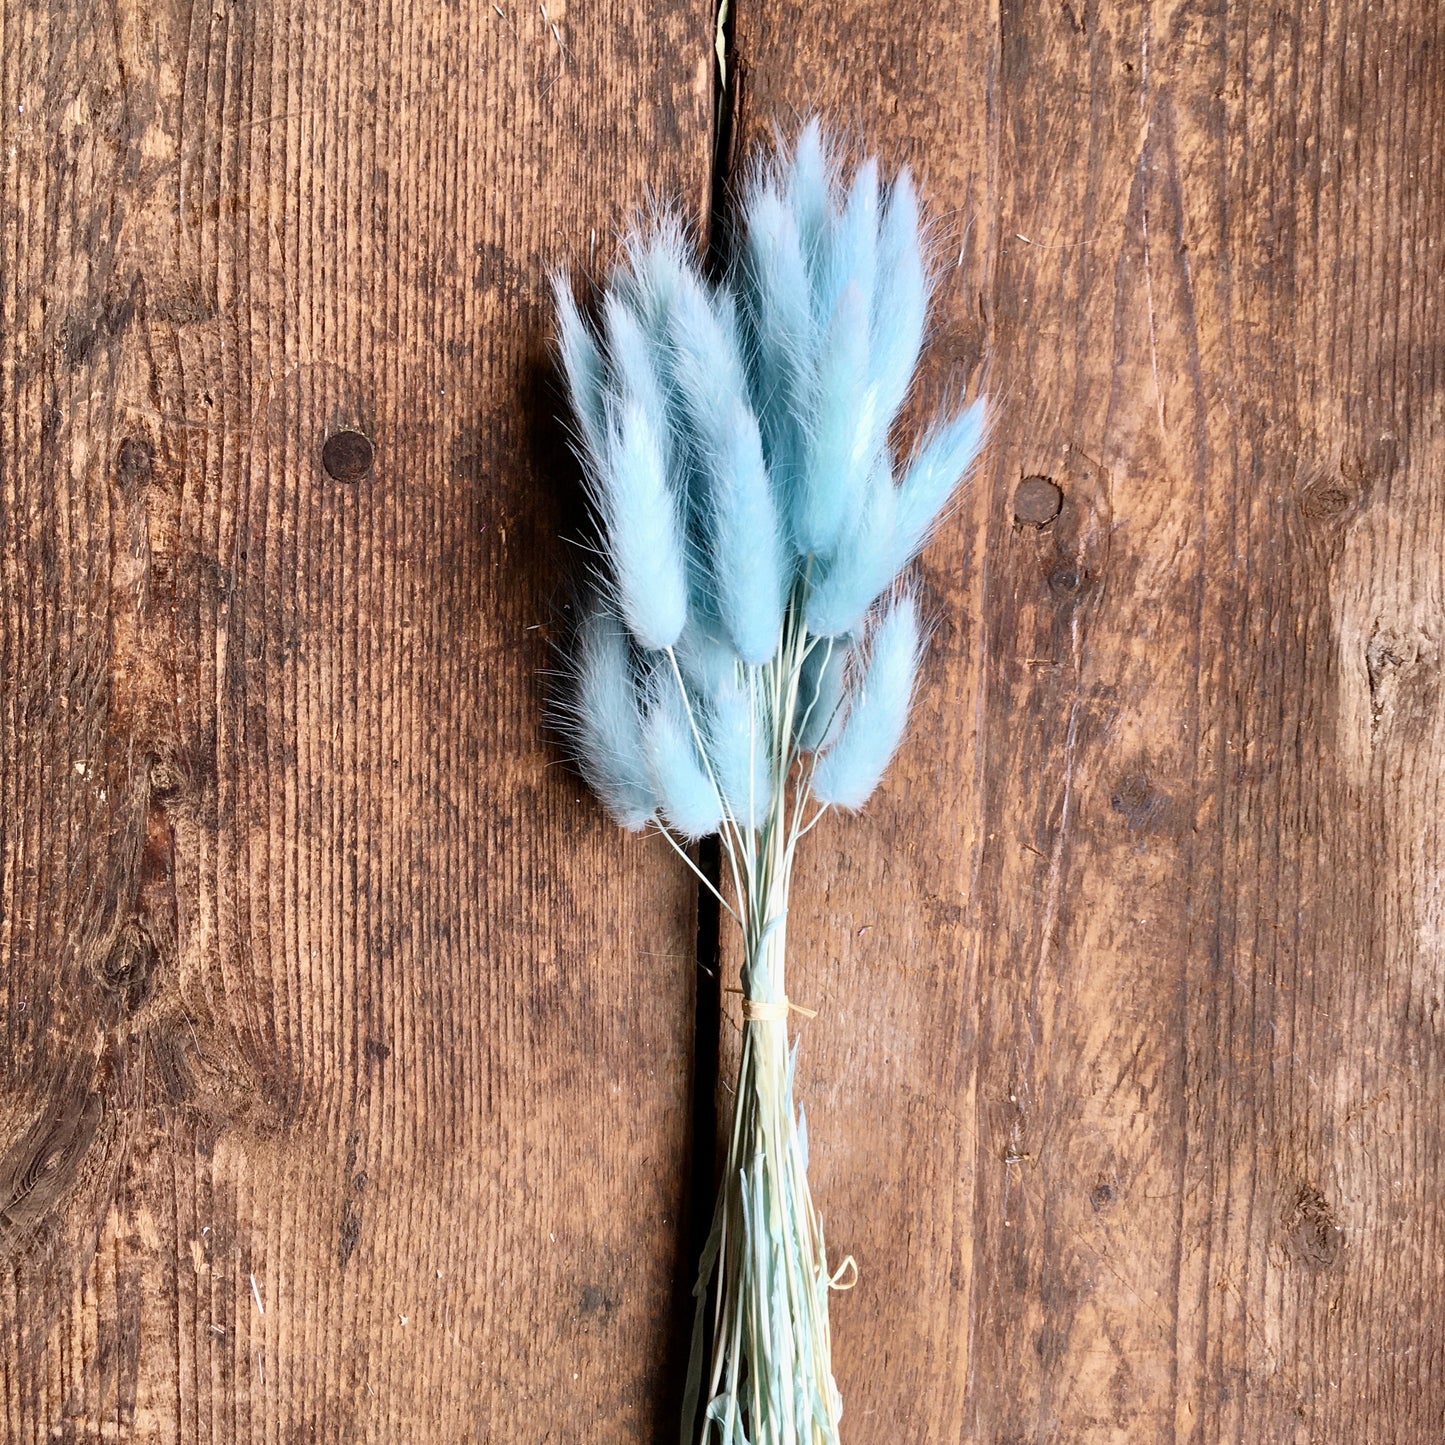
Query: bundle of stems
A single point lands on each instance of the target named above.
(746, 657)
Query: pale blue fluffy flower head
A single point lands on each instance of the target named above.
(737, 442)
(855, 762)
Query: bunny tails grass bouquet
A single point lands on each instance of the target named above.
(747, 656)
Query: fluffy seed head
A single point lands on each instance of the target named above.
(678, 775)
(853, 766)
(583, 369)
(900, 297)
(738, 746)
(736, 443)
(841, 429)
(775, 289)
(821, 693)
(747, 552)
(642, 525)
(847, 584)
(810, 183)
(939, 464)
(603, 721)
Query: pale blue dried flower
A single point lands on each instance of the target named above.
(830, 373)
(642, 524)
(851, 255)
(853, 766)
(821, 693)
(736, 442)
(748, 560)
(736, 445)
(846, 585)
(900, 297)
(633, 358)
(738, 746)
(775, 288)
(583, 368)
(839, 429)
(619, 399)
(603, 719)
(894, 524)
(810, 185)
(658, 263)
(678, 774)
(706, 656)
(938, 466)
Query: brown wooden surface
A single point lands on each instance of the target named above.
(1125, 1089)
(317, 972)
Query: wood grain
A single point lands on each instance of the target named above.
(1124, 1089)
(344, 1084)
(346, 1047)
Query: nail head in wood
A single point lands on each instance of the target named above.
(1037, 502)
(347, 456)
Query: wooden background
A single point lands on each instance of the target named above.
(347, 1084)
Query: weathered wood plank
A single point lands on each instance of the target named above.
(346, 1046)
(1123, 1088)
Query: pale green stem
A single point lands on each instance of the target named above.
(771, 1356)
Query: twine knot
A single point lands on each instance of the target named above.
(773, 1010)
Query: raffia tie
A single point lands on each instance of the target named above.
(773, 1010)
